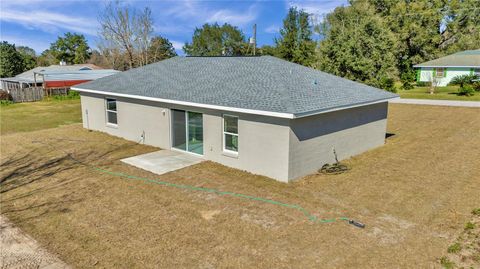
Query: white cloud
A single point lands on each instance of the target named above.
(49, 21)
(234, 18)
(316, 9)
(272, 29)
(177, 45)
(197, 12)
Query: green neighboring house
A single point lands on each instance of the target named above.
(442, 70)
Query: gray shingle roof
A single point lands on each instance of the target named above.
(258, 83)
(467, 58)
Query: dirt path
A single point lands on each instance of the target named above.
(19, 250)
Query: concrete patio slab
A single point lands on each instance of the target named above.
(163, 161)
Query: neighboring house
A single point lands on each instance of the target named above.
(442, 70)
(30, 79)
(33, 84)
(259, 114)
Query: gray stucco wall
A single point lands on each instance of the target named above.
(350, 132)
(263, 141)
(278, 148)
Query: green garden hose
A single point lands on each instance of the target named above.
(307, 214)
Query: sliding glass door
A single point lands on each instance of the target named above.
(187, 131)
(179, 140)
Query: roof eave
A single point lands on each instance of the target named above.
(234, 109)
(333, 109)
(169, 101)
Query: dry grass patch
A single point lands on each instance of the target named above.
(465, 251)
(413, 194)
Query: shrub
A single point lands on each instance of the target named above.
(476, 211)
(424, 83)
(407, 85)
(69, 96)
(6, 102)
(466, 90)
(463, 80)
(455, 248)
(387, 84)
(407, 78)
(476, 86)
(469, 226)
(446, 263)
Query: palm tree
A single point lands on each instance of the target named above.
(463, 80)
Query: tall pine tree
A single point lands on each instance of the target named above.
(295, 43)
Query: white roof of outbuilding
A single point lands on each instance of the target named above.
(76, 75)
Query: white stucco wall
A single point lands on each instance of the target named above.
(263, 141)
(279, 148)
(349, 132)
(426, 75)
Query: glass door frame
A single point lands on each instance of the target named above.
(172, 132)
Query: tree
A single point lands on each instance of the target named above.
(296, 44)
(464, 80)
(98, 59)
(462, 29)
(11, 61)
(29, 57)
(125, 32)
(160, 48)
(216, 40)
(429, 29)
(46, 58)
(72, 48)
(358, 45)
(267, 50)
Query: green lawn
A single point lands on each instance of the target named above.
(441, 93)
(26, 117)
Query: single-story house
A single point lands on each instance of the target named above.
(34, 84)
(442, 70)
(259, 114)
(30, 78)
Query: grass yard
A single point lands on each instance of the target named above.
(415, 194)
(441, 93)
(26, 117)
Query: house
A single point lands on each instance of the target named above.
(29, 79)
(33, 84)
(442, 70)
(259, 114)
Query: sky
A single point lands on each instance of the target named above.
(37, 23)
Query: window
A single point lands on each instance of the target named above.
(230, 133)
(440, 72)
(476, 71)
(111, 111)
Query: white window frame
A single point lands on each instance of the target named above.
(112, 111)
(443, 72)
(229, 133)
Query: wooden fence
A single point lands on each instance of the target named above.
(32, 94)
(26, 94)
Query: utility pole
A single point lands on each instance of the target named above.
(254, 38)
